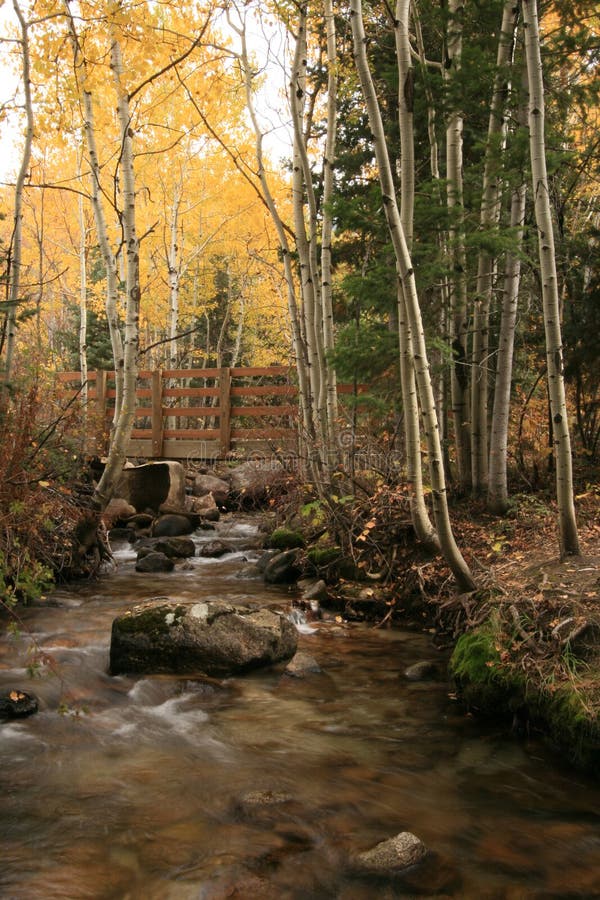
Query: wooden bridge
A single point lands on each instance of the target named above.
(200, 414)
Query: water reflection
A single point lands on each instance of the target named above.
(264, 786)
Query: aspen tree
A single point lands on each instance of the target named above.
(16, 250)
(486, 265)
(458, 282)
(406, 276)
(567, 525)
(414, 474)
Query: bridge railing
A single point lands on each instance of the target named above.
(200, 413)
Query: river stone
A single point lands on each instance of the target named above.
(174, 547)
(152, 485)
(211, 485)
(301, 665)
(215, 549)
(17, 704)
(282, 568)
(214, 638)
(152, 561)
(172, 525)
(392, 856)
(421, 671)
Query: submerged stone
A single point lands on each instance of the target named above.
(214, 638)
(393, 855)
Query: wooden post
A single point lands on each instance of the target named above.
(224, 411)
(157, 418)
(100, 418)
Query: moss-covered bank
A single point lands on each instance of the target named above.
(553, 694)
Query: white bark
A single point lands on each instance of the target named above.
(16, 255)
(305, 219)
(497, 498)
(117, 454)
(83, 366)
(569, 540)
(412, 427)
(108, 257)
(327, 230)
(450, 550)
(458, 289)
(299, 347)
(486, 266)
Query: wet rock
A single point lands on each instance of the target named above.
(117, 510)
(210, 484)
(301, 665)
(216, 639)
(282, 568)
(174, 547)
(265, 558)
(140, 520)
(313, 589)
(391, 856)
(423, 670)
(209, 515)
(154, 562)
(17, 704)
(153, 484)
(214, 549)
(172, 525)
(203, 506)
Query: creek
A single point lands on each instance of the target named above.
(262, 787)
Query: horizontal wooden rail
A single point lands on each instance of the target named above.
(183, 413)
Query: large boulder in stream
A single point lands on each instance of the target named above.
(216, 638)
(153, 485)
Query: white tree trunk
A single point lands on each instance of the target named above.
(486, 266)
(299, 347)
(458, 284)
(412, 427)
(497, 497)
(327, 230)
(117, 454)
(448, 545)
(16, 250)
(569, 540)
(83, 366)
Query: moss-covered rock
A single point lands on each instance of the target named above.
(285, 539)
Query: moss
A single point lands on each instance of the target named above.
(153, 621)
(285, 539)
(321, 557)
(496, 688)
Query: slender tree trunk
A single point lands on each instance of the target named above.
(16, 249)
(108, 258)
(305, 214)
(412, 427)
(486, 266)
(568, 536)
(299, 346)
(326, 234)
(450, 550)
(83, 366)
(458, 290)
(117, 454)
(497, 498)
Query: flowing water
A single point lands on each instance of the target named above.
(264, 786)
